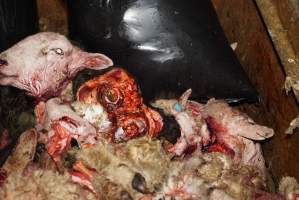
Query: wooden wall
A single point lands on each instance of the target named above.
(52, 16)
(242, 23)
(288, 11)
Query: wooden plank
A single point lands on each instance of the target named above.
(243, 24)
(53, 16)
(281, 42)
(288, 11)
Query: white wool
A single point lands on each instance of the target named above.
(119, 134)
(94, 114)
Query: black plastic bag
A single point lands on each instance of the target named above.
(168, 45)
(18, 19)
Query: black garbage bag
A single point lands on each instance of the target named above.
(168, 45)
(18, 19)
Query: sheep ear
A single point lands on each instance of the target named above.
(184, 98)
(97, 61)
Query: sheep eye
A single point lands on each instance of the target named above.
(58, 51)
(112, 96)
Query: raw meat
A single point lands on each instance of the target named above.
(216, 126)
(62, 124)
(194, 131)
(118, 93)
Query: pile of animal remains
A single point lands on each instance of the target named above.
(101, 143)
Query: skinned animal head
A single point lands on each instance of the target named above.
(43, 64)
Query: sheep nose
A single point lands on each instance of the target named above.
(3, 62)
